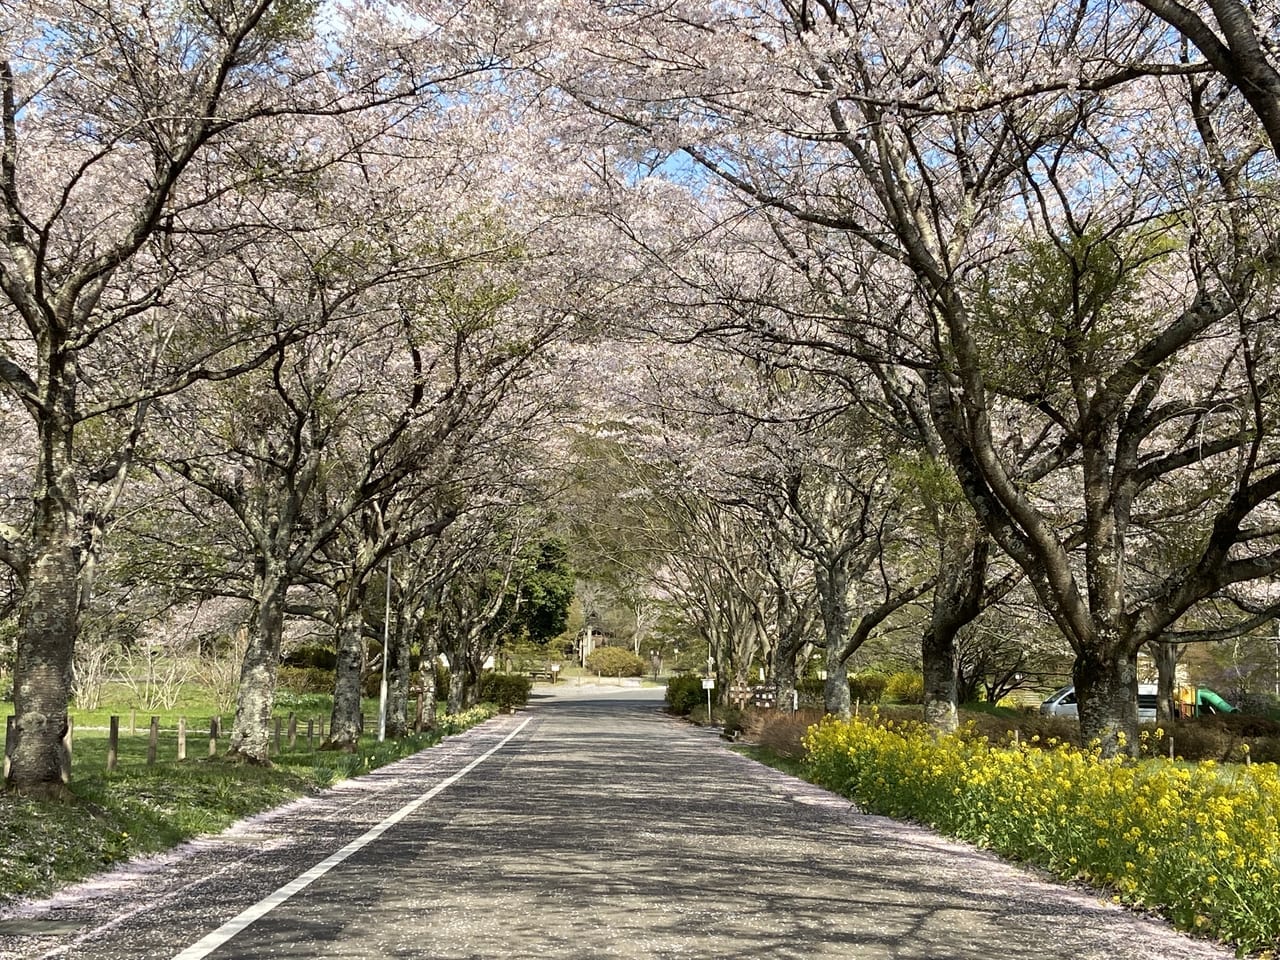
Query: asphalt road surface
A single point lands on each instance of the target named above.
(589, 825)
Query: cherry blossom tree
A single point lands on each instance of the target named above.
(1241, 42)
(105, 116)
(1087, 327)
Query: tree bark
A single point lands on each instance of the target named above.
(457, 684)
(1107, 689)
(48, 623)
(784, 672)
(1166, 657)
(398, 671)
(251, 731)
(832, 584)
(836, 699)
(941, 690)
(344, 723)
(49, 611)
(429, 655)
(956, 602)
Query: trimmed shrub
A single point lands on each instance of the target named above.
(810, 690)
(615, 662)
(1260, 705)
(684, 692)
(904, 688)
(506, 691)
(870, 687)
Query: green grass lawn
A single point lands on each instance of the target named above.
(140, 808)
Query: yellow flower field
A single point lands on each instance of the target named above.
(1198, 843)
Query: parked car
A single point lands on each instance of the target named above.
(1062, 702)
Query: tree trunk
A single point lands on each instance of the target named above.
(344, 724)
(49, 611)
(941, 691)
(429, 656)
(957, 600)
(1166, 657)
(398, 679)
(1107, 690)
(457, 685)
(475, 670)
(255, 698)
(784, 673)
(832, 584)
(835, 690)
(48, 618)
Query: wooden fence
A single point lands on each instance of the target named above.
(286, 730)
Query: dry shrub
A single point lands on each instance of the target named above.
(779, 730)
(1197, 741)
(1227, 737)
(1222, 738)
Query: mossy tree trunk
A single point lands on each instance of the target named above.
(344, 721)
(255, 697)
(957, 599)
(1107, 689)
(399, 670)
(48, 623)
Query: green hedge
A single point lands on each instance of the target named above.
(615, 662)
(684, 692)
(506, 691)
(864, 687)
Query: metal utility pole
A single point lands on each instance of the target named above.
(386, 637)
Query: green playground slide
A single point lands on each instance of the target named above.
(1209, 702)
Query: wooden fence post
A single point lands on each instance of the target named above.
(213, 737)
(182, 738)
(278, 726)
(153, 741)
(417, 714)
(113, 743)
(133, 722)
(68, 745)
(8, 744)
(293, 731)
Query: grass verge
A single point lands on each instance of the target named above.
(139, 809)
(788, 765)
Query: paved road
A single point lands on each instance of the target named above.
(592, 826)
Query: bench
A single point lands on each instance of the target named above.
(548, 675)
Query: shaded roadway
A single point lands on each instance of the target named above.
(602, 829)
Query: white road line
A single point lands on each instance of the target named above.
(211, 942)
